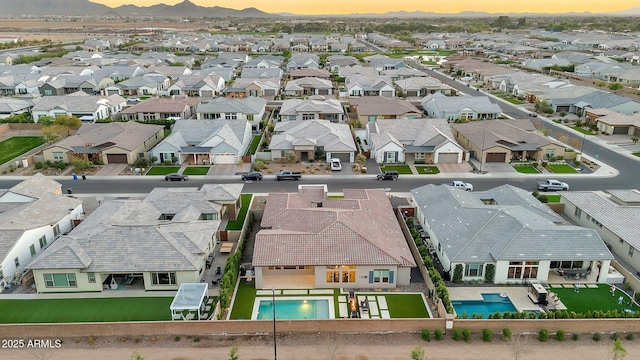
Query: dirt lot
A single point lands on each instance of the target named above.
(351, 346)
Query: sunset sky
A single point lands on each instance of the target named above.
(381, 6)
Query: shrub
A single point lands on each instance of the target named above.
(575, 336)
(543, 335)
(177, 338)
(457, 334)
(544, 164)
(438, 335)
(560, 335)
(457, 274)
(426, 335)
(487, 335)
(39, 165)
(507, 334)
(576, 163)
(466, 335)
(141, 163)
(615, 336)
(629, 336)
(596, 336)
(489, 273)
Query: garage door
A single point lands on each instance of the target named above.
(387, 93)
(496, 157)
(117, 159)
(621, 130)
(207, 93)
(448, 158)
(344, 157)
(221, 159)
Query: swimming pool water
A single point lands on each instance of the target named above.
(490, 304)
(294, 309)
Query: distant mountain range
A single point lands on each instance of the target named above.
(85, 7)
(189, 9)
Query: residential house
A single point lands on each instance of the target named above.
(612, 122)
(594, 99)
(314, 73)
(314, 108)
(137, 86)
(253, 87)
(416, 141)
(12, 106)
(308, 86)
(310, 241)
(507, 140)
(463, 108)
(34, 214)
(175, 107)
(423, 86)
(612, 214)
(251, 109)
(505, 235)
(119, 72)
(379, 85)
(373, 108)
(403, 73)
(156, 243)
(335, 62)
(109, 143)
(264, 62)
(349, 71)
(205, 86)
(303, 61)
(201, 141)
(87, 108)
(309, 139)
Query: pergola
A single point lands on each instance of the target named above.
(190, 298)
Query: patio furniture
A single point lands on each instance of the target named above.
(226, 248)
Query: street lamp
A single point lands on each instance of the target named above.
(484, 134)
(273, 300)
(584, 136)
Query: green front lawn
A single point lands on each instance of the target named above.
(196, 170)
(167, 132)
(553, 198)
(254, 145)
(401, 169)
(561, 169)
(507, 97)
(593, 299)
(636, 154)
(428, 170)
(525, 169)
(18, 145)
(85, 310)
(579, 129)
(406, 306)
(237, 224)
(163, 170)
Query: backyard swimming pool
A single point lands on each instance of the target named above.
(490, 303)
(291, 309)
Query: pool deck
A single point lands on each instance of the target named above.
(518, 295)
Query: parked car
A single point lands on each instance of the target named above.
(176, 177)
(462, 185)
(254, 175)
(335, 165)
(546, 185)
(533, 114)
(288, 175)
(133, 99)
(388, 175)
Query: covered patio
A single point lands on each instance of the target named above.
(189, 301)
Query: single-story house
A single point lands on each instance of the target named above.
(87, 108)
(308, 86)
(418, 141)
(207, 141)
(378, 85)
(507, 140)
(175, 107)
(373, 108)
(206, 86)
(315, 108)
(156, 243)
(505, 235)
(251, 109)
(109, 143)
(462, 108)
(310, 241)
(423, 86)
(33, 214)
(307, 138)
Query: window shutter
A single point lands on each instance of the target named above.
(370, 277)
(390, 277)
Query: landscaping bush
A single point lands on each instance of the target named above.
(543, 335)
(438, 335)
(560, 335)
(489, 273)
(426, 335)
(576, 163)
(575, 336)
(466, 335)
(457, 274)
(487, 335)
(615, 336)
(629, 336)
(457, 334)
(39, 165)
(507, 334)
(596, 336)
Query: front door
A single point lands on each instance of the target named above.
(390, 156)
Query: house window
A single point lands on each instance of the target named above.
(32, 250)
(163, 278)
(250, 117)
(381, 276)
(208, 217)
(631, 250)
(292, 117)
(91, 277)
(549, 153)
(1, 275)
(515, 270)
(58, 156)
(231, 116)
(577, 213)
(148, 116)
(341, 274)
(419, 156)
(56, 230)
(372, 118)
(166, 216)
(211, 116)
(16, 261)
(473, 270)
(308, 116)
(46, 92)
(60, 280)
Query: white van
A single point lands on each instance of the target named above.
(335, 165)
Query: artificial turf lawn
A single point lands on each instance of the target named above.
(85, 310)
(561, 169)
(427, 170)
(18, 145)
(401, 169)
(553, 198)
(243, 305)
(579, 129)
(196, 170)
(237, 224)
(406, 306)
(254, 145)
(163, 170)
(525, 169)
(588, 299)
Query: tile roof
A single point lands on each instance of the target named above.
(126, 135)
(248, 105)
(162, 105)
(360, 229)
(510, 134)
(516, 227)
(332, 136)
(381, 105)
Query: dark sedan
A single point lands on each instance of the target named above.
(176, 177)
(252, 176)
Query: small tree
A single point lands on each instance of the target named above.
(543, 106)
(292, 158)
(489, 273)
(82, 164)
(618, 352)
(487, 335)
(457, 274)
(417, 353)
(141, 163)
(68, 122)
(615, 86)
(233, 353)
(52, 133)
(361, 159)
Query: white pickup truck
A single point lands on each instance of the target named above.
(546, 185)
